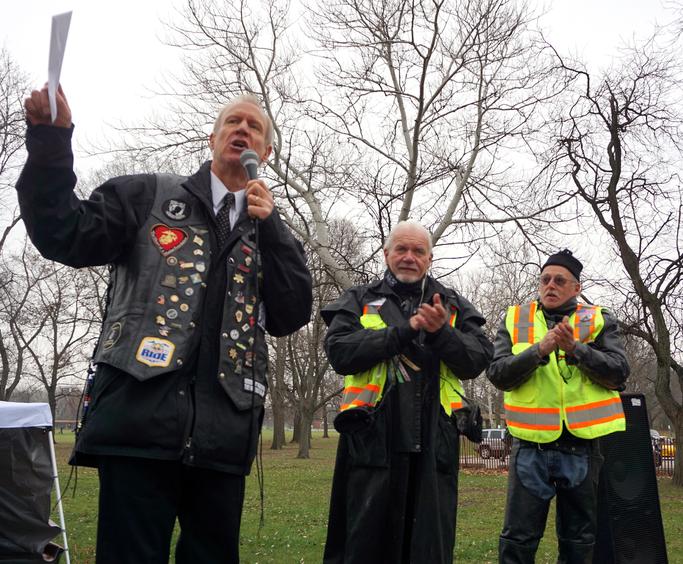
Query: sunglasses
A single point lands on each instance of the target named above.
(559, 280)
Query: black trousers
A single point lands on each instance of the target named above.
(140, 500)
(534, 478)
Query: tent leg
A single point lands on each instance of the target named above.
(60, 508)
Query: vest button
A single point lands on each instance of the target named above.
(191, 325)
(225, 335)
(179, 362)
(182, 392)
(221, 375)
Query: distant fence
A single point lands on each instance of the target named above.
(494, 454)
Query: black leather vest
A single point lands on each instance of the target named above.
(156, 298)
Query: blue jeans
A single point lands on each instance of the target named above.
(537, 474)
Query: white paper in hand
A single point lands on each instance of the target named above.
(60, 31)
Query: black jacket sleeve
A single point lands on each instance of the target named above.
(351, 348)
(287, 286)
(65, 228)
(508, 371)
(465, 348)
(603, 360)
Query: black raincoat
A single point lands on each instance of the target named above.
(394, 492)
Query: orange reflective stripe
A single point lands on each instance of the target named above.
(519, 409)
(355, 396)
(523, 327)
(584, 322)
(532, 313)
(594, 404)
(539, 418)
(577, 327)
(370, 309)
(538, 427)
(596, 421)
(594, 413)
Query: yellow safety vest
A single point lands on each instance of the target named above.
(557, 392)
(366, 388)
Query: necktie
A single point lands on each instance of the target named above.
(223, 218)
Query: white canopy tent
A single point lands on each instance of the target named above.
(28, 470)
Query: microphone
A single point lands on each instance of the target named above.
(250, 161)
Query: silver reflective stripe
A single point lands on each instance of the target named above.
(533, 418)
(594, 414)
(355, 396)
(584, 322)
(524, 324)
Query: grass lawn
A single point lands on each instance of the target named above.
(296, 505)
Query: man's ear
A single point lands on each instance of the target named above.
(211, 139)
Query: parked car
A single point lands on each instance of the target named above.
(668, 448)
(494, 442)
(656, 440)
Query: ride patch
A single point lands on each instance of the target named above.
(168, 239)
(155, 352)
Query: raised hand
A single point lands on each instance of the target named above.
(37, 108)
(430, 317)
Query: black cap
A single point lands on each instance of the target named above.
(566, 259)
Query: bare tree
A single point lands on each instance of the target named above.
(13, 87)
(278, 390)
(19, 328)
(509, 277)
(393, 109)
(621, 140)
(59, 330)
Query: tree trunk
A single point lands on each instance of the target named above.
(326, 426)
(678, 457)
(305, 421)
(277, 396)
(278, 408)
(296, 436)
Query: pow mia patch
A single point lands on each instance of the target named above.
(177, 209)
(113, 336)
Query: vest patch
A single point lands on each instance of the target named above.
(113, 336)
(177, 209)
(257, 387)
(168, 239)
(155, 352)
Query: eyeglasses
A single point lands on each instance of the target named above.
(558, 279)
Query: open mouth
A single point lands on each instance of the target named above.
(239, 144)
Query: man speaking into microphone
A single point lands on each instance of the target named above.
(176, 402)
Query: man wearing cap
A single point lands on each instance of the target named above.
(561, 364)
(404, 343)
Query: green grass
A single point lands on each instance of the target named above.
(296, 505)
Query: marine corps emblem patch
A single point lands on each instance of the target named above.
(168, 239)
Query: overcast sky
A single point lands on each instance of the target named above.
(114, 52)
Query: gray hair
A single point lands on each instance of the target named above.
(246, 99)
(408, 224)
